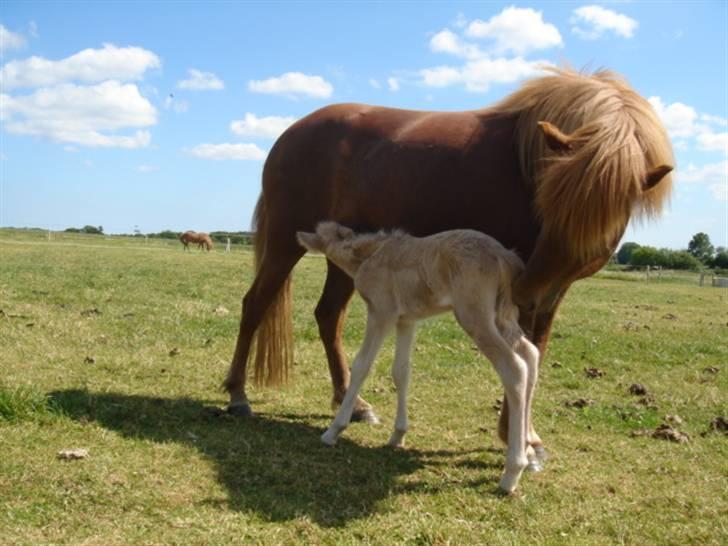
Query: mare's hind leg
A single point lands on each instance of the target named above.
(330, 314)
(274, 269)
(377, 328)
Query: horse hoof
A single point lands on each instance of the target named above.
(534, 466)
(541, 454)
(240, 410)
(328, 438)
(365, 416)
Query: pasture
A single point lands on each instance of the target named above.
(119, 346)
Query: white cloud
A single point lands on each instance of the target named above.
(717, 120)
(176, 105)
(393, 84)
(682, 121)
(598, 21)
(87, 66)
(447, 41)
(375, 84)
(460, 21)
(713, 175)
(679, 118)
(201, 81)
(81, 115)
(10, 40)
(33, 29)
(225, 151)
(479, 75)
(70, 149)
(713, 142)
(265, 127)
(518, 30)
(293, 84)
(146, 168)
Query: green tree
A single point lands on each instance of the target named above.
(721, 258)
(625, 252)
(701, 248)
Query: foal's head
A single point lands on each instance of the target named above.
(341, 245)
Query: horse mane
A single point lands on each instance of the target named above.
(585, 198)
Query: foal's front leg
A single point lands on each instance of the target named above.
(401, 376)
(377, 328)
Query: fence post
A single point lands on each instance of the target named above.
(227, 247)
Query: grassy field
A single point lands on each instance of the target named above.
(119, 346)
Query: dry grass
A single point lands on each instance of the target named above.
(163, 470)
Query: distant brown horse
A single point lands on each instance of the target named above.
(559, 193)
(202, 240)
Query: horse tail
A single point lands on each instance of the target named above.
(273, 348)
(585, 197)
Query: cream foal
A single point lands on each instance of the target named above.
(404, 279)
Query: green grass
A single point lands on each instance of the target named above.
(86, 329)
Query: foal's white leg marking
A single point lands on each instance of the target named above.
(513, 372)
(376, 331)
(535, 451)
(401, 376)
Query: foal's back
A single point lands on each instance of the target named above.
(418, 277)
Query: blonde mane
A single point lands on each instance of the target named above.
(586, 198)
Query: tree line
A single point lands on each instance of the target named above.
(236, 237)
(699, 254)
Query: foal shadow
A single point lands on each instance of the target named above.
(272, 464)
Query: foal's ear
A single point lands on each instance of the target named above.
(654, 176)
(310, 241)
(556, 140)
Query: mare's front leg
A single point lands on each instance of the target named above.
(330, 314)
(401, 376)
(377, 327)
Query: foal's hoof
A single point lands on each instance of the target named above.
(329, 438)
(365, 415)
(534, 466)
(541, 454)
(240, 410)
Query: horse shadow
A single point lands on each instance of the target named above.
(273, 464)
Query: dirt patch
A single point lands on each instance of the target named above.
(638, 389)
(579, 403)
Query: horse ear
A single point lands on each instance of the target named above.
(654, 176)
(556, 140)
(310, 241)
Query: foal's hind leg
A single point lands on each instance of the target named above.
(513, 372)
(540, 328)
(529, 353)
(478, 320)
(330, 314)
(401, 375)
(274, 269)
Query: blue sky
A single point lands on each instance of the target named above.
(159, 115)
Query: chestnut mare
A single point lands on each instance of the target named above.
(560, 194)
(202, 240)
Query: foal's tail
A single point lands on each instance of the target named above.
(274, 337)
(509, 267)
